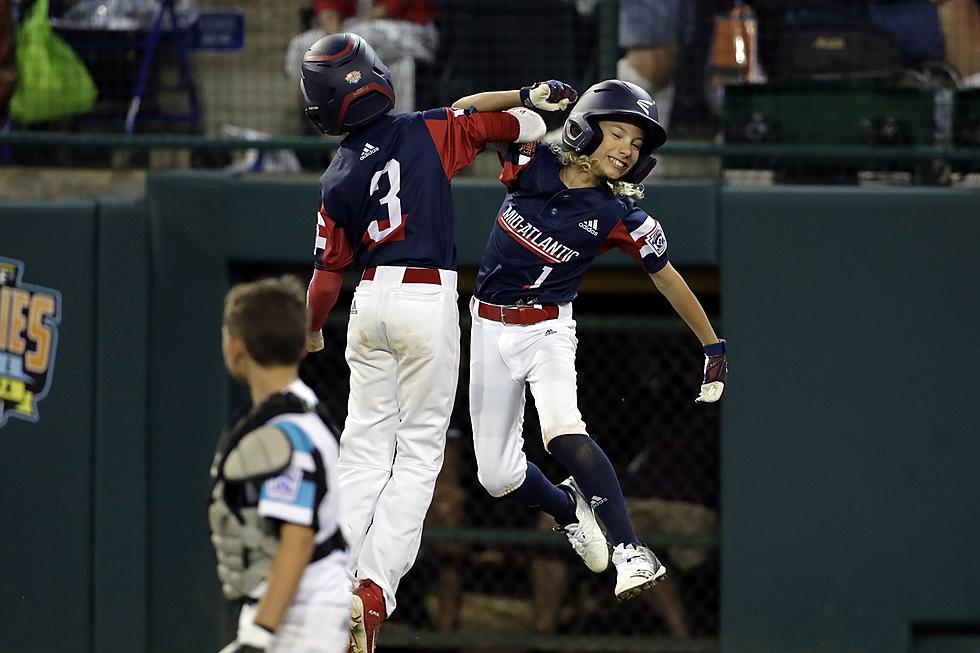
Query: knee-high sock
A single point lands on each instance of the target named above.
(593, 472)
(538, 492)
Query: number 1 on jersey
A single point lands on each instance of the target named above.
(545, 271)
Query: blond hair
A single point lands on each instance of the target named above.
(584, 163)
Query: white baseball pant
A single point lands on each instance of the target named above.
(503, 359)
(403, 353)
(308, 628)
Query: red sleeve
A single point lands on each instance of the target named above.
(460, 135)
(332, 250)
(322, 295)
(620, 237)
(515, 159)
(650, 250)
(346, 8)
(416, 11)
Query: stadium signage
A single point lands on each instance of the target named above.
(29, 318)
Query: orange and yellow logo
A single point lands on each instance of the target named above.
(29, 318)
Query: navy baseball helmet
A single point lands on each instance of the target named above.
(345, 83)
(615, 99)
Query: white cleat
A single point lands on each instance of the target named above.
(637, 569)
(585, 536)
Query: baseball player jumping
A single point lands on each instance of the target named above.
(564, 206)
(386, 207)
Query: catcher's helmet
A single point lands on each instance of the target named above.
(614, 99)
(345, 83)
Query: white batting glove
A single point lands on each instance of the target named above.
(552, 95)
(314, 341)
(251, 638)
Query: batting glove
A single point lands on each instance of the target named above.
(551, 95)
(314, 341)
(252, 638)
(715, 373)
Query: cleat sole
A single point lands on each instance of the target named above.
(635, 591)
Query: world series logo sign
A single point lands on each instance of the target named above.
(29, 318)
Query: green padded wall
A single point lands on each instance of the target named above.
(850, 440)
(46, 502)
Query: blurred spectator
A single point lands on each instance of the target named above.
(402, 32)
(8, 63)
(961, 28)
(649, 31)
(734, 57)
(446, 511)
(875, 37)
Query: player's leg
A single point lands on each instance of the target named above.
(497, 415)
(553, 382)
(367, 445)
(421, 322)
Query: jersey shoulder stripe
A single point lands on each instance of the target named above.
(297, 437)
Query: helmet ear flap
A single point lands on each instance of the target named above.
(313, 114)
(583, 136)
(641, 170)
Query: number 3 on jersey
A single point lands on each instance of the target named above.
(393, 226)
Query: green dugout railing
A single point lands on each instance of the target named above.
(675, 148)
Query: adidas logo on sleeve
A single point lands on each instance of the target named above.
(368, 151)
(592, 226)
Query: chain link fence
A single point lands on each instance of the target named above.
(493, 577)
(807, 81)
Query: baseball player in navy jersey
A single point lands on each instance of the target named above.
(274, 486)
(386, 208)
(564, 206)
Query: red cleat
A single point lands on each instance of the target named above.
(367, 613)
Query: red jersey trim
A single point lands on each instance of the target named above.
(332, 250)
(620, 237)
(462, 135)
(524, 242)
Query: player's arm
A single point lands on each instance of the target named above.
(490, 101)
(552, 95)
(672, 286)
(295, 550)
(332, 253)
(296, 546)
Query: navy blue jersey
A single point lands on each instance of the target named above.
(385, 198)
(546, 235)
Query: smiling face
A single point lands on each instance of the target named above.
(620, 148)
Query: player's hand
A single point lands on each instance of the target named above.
(358, 635)
(251, 638)
(715, 372)
(314, 341)
(552, 95)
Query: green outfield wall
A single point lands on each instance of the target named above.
(851, 432)
(850, 439)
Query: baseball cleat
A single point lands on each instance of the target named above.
(637, 569)
(585, 536)
(367, 613)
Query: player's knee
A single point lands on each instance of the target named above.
(498, 482)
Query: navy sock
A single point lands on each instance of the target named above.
(538, 492)
(593, 472)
